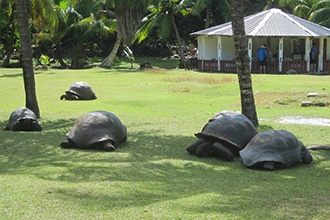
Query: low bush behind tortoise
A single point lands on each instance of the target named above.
(274, 149)
(22, 119)
(79, 91)
(96, 130)
(224, 135)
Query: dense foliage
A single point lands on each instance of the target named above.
(74, 33)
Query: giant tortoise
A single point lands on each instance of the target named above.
(274, 149)
(100, 130)
(224, 135)
(79, 91)
(22, 119)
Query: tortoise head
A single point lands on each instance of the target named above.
(305, 154)
(26, 124)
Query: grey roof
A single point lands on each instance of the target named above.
(272, 22)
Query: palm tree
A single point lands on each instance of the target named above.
(242, 62)
(129, 14)
(303, 8)
(26, 56)
(211, 7)
(8, 36)
(163, 14)
(314, 10)
(71, 27)
(286, 5)
(320, 13)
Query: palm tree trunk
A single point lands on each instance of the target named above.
(9, 44)
(242, 62)
(76, 58)
(59, 56)
(9, 52)
(129, 15)
(207, 16)
(26, 57)
(182, 57)
(107, 62)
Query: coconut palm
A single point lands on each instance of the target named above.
(317, 11)
(242, 61)
(8, 36)
(320, 13)
(129, 14)
(286, 5)
(72, 27)
(162, 17)
(26, 56)
(210, 7)
(303, 8)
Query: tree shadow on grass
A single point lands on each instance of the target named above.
(149, 169)
(263, 127)
(11, 75)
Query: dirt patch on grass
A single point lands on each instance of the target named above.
(200, 79)
(304, 120)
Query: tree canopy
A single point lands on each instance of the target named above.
(72, 32)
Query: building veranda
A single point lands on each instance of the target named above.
(288, 37)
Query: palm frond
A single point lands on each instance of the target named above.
(165, 26)
(302, 11)
(146, 27)
(198, 7)
(320, 16)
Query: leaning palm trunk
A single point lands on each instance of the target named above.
(107, 62)
(26, 57)
(128, 21)
(59, 56)
(182, 57)
(242, 62)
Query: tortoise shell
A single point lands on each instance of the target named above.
(229, 127)
(23, 119)
(95, 127)
(279, 146)
(82, 90)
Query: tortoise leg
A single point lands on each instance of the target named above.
(222, 151)
(307, 157)
(192, 148)
(67, 144)
(269, 165)
(107, 146)
(6, 128)
(203, 148)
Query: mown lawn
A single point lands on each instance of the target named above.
(151, 176)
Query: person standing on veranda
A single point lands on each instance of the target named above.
(313, 55)
(262, 55)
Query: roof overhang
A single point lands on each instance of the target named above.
(272, 22)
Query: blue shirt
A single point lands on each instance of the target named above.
(313, 51)
(262, 53)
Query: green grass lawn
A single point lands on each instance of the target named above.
(151, 176)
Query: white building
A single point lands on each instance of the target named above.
(288, 37)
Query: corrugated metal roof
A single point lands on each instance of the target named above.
(272, 22)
